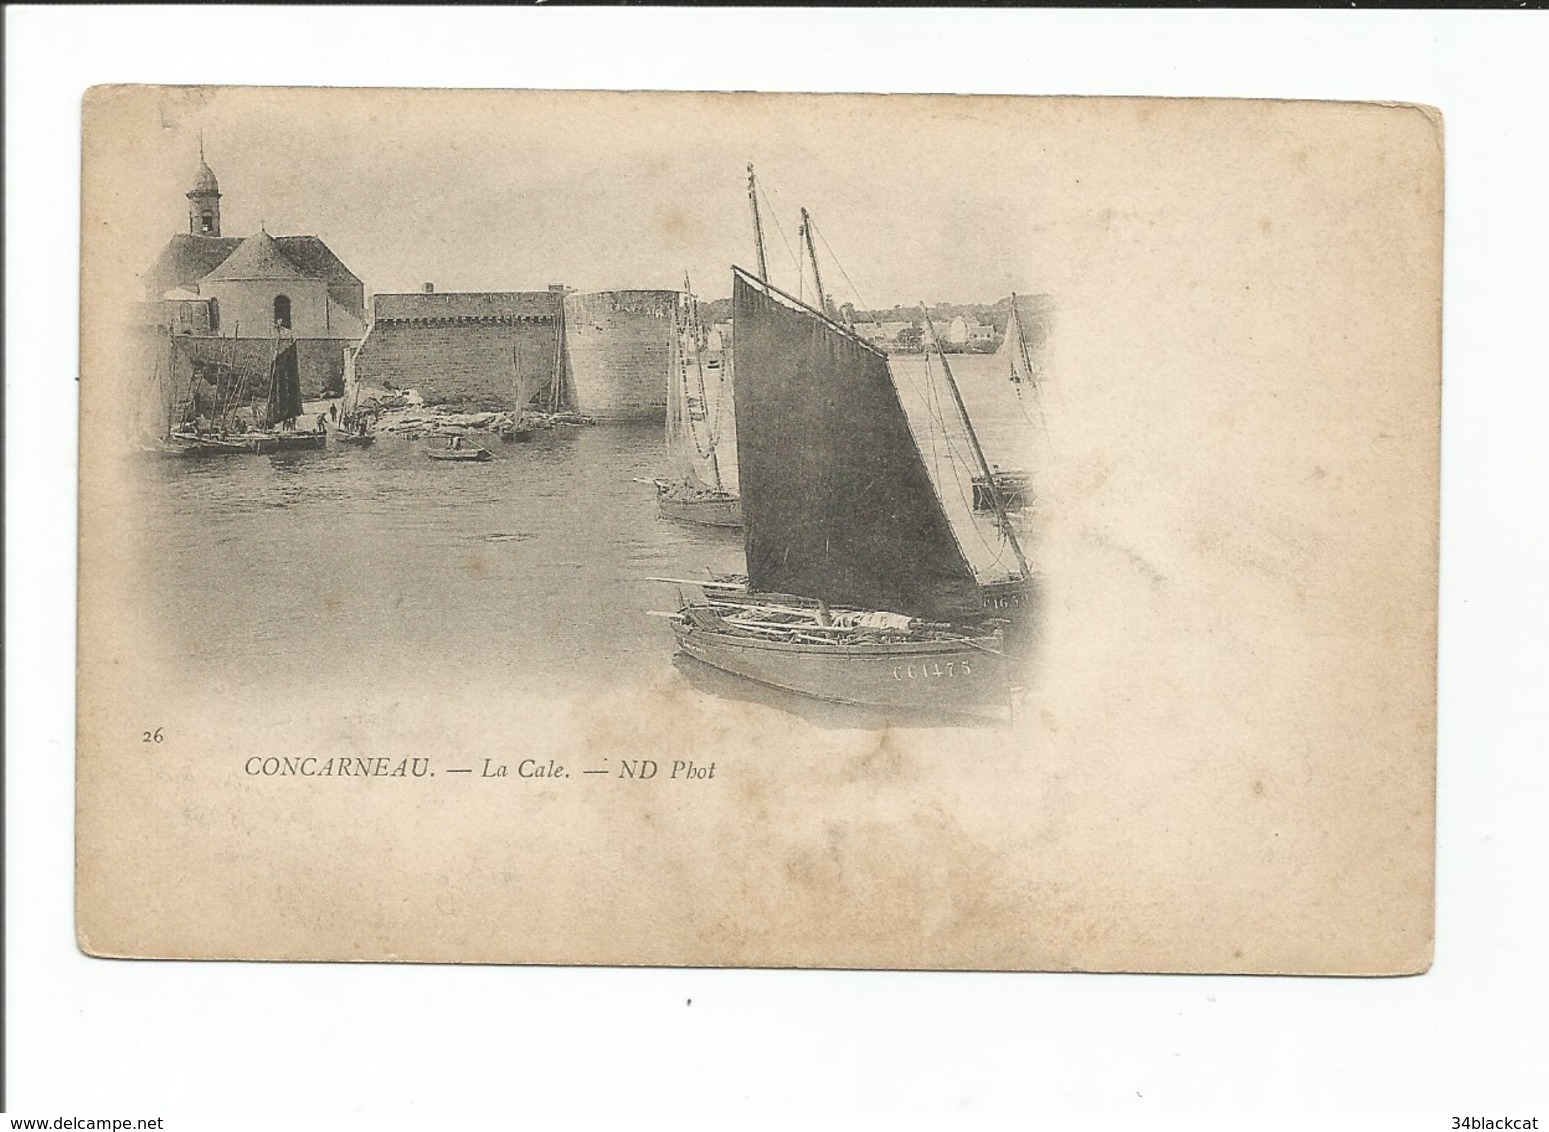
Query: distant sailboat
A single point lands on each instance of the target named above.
(696, 492)
(517, 428)
(1012, 359)
(864, 585)
(356, 427)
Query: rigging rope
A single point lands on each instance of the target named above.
(795, 259)
(938, 416)
(859, 301)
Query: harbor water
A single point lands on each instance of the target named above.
(350, 567)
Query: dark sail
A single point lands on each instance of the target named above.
(285, 386)
(837, 503)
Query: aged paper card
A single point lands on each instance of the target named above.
(758, 530)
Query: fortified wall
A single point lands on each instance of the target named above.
(477, 350)
(495, 350)
(619, 349)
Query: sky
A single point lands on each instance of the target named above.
(912, 199)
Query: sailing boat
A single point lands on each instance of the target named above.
(205, 422)
(696, 493)
(284, 402)
(517, 428)
(866, 584)
(355, 427)
(1012, 358)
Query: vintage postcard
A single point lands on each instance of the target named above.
(831, 531)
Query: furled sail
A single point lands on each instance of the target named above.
(837, 502)
(691, 442)
(284, 384)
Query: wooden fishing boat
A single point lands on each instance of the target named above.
(189, 442)
(705, 507)
(298, 440)
(696, 491)
(458, 450)
(912, 668)
(217, 429)
(844, 656)
(356, 427)
(1015, 488)
(867, 581)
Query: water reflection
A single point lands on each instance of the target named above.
(821, 713)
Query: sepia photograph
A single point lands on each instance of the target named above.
(750, 560)
(701, 529)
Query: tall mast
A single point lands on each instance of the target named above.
(758, 225)
(692, 306)
(973, 439)
(812, 254)
(172, 391)
(516, 368)
(556, 383)
(675, 382)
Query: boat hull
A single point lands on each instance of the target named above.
(707, 510)
(239, 443)
(464, 456)
(269, 442)
(188, 445)
(965, 674)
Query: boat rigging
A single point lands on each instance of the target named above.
(859, 588)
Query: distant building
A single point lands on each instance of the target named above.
(967, 332)
(887, 335)
(226, 299)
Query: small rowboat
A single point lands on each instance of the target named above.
(457, 450)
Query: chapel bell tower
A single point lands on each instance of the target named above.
(204, 201)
